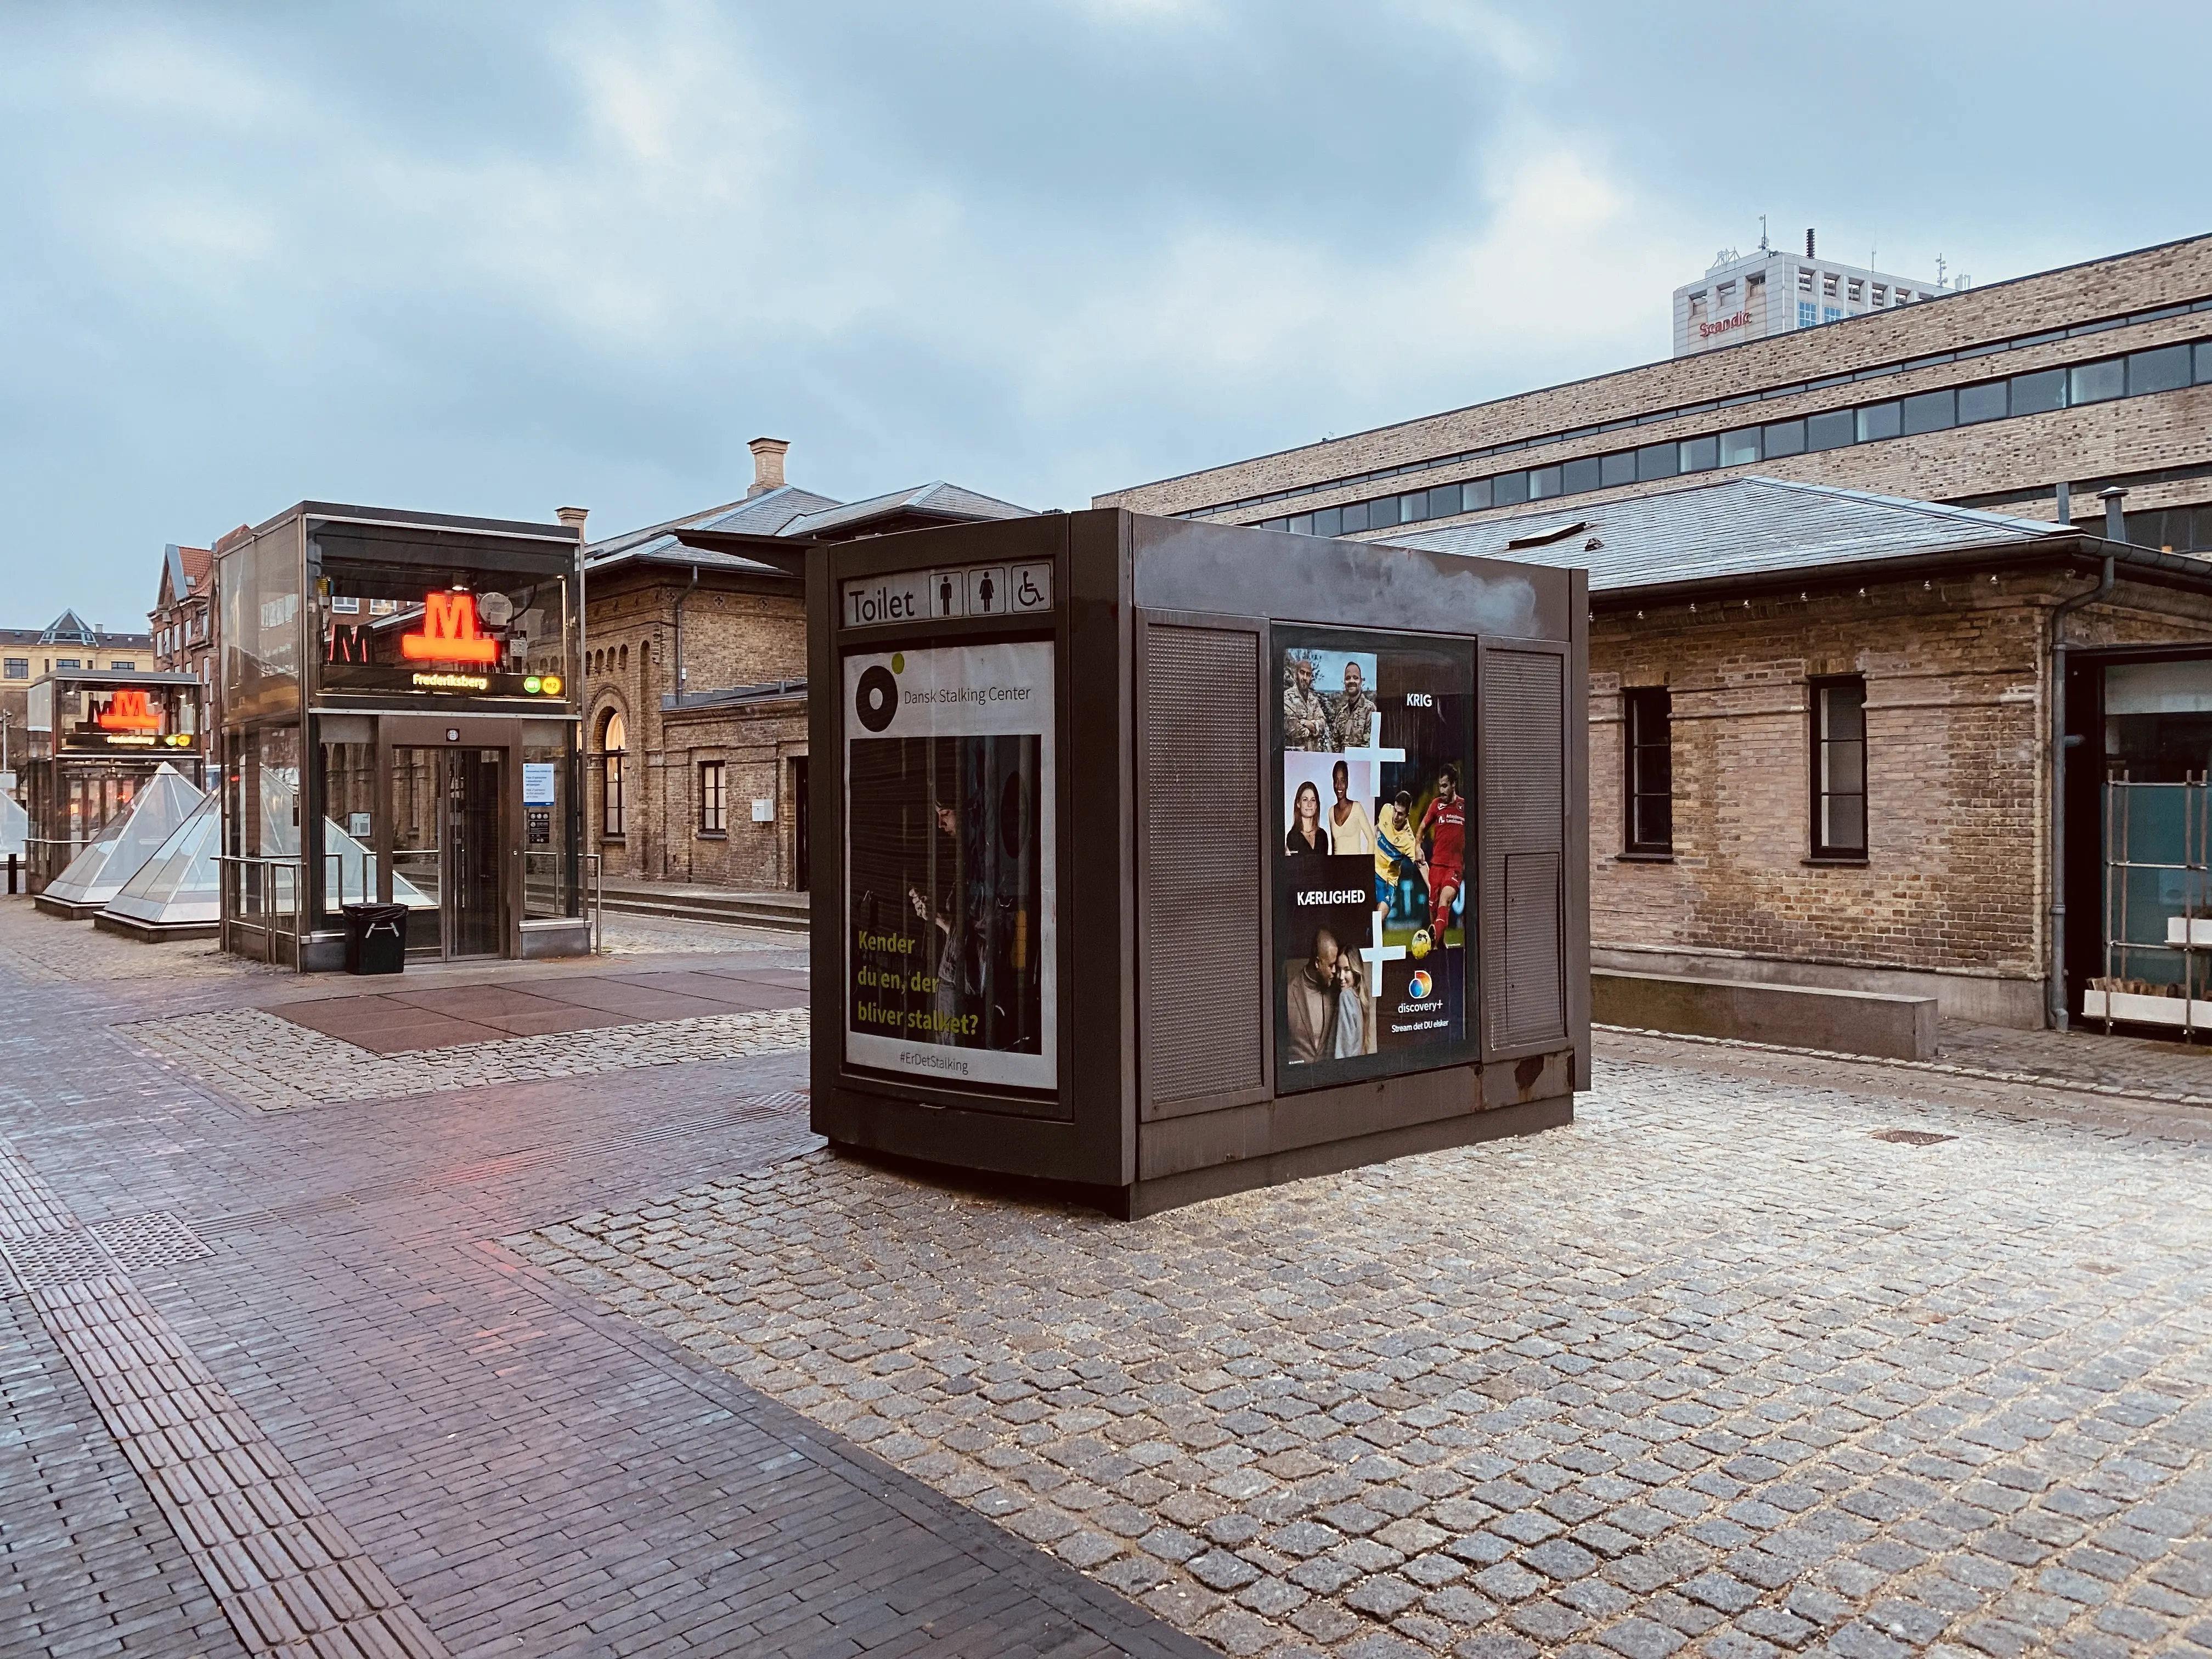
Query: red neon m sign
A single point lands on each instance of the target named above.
(127, 711)
(449, 632)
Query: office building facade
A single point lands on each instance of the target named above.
(2012, 397)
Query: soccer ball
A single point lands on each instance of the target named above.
(1420, 947)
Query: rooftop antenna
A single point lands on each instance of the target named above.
(1939, 271)
(1763, 247)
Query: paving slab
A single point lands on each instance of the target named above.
(513, 1467)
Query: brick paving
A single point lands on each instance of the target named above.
(1752, 1358)
(1977, 1365)
(267, 1061)
(528, 1471)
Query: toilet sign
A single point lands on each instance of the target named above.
(913, 596)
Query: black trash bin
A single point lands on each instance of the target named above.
(376, 939)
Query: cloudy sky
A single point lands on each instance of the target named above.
(494, 259)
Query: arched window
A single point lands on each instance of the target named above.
(625, 659)
(613, 745)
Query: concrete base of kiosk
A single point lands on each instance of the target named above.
(556, 936)
(1236, 1175)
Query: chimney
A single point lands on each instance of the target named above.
(768, 465)
(2065, 494)
(1808, 241)
(574, 517)
(2116, 524)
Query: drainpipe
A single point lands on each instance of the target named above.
(2055, 998)
(680, 598)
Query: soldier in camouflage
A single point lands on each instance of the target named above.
(1305, 716)
(1351, 712)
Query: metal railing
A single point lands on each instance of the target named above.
(598, 869)
(259, 893)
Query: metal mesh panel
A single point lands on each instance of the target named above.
(1522, 812)
(1203, 982)
(1535, 1008)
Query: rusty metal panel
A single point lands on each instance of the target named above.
(1522, 705)
(1202, 970)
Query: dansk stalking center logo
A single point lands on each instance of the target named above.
(875, 700)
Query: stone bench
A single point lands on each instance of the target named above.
(1797, 1016)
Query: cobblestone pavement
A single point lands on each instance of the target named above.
(265, 1388)
(1756, 1357)
(269, 1062)
(2134, 1066)
(2078, 1061)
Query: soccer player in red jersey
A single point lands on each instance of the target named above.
(1443, 827)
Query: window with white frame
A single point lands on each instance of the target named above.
(714, 799)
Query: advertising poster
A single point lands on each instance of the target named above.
(1371, 927)
(948, 855)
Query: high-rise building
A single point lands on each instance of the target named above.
(1750, 296)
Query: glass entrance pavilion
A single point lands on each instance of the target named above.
(406, 684)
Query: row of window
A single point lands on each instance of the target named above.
(610, 661)
(1765, 394)
(614, 820)
(1837, 780)
(2175, 530)
(19, 668)
(174, 638)
(1853, 290)
(2140, 373)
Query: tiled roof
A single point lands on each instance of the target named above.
(792, 512)
(765, 514)
(937, 499)
(1737, 527)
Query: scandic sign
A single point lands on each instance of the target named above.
(1706, 331)
(127, 711)
(449, 632)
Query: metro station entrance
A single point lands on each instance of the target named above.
(400, 718)
(447, 835)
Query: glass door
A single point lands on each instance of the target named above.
(475, 918)
(418, 796)
(446, 843)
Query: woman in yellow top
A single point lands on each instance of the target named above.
(1349, 831)
(1397, 849)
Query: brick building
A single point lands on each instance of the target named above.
(183, 617)
(695, 676)
(1820, 733)
(2093, 375)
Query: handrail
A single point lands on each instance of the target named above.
(598, 863)
(294, 863)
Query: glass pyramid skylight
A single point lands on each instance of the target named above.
(97, 874)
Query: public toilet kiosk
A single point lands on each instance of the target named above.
(406, 685)
(1168, 859)
(92, 739)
